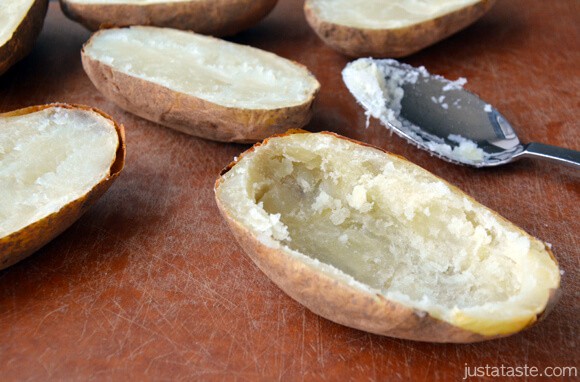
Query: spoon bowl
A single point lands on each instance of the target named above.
(440, 116)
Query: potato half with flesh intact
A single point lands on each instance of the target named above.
(20, 24)
(390, 28)
(55, 161)
(200, 85)
(213, 17)
(369, 240)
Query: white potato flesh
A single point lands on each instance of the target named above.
(217, 71)
(384, 14)
(11, 15)
(387, 226)
(48, 159)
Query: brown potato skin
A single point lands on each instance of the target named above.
(212, 17)
(393, 43)
(23, 38)
(344, 304)
(192, 115)
(23, 243)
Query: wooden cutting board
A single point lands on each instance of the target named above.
(150, 284)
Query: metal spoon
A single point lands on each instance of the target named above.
(441, 117)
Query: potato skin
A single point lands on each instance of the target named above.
(192, 115)
(393, 43)
(21, 244)
(212, 17)
(345, 304)
(23, 38)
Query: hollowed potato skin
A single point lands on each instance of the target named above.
(24, 242)
(393, 43)
(212, 17)
(23, 38)
(192, 115)
(343, 303)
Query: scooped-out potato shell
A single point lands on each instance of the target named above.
(397, 42)
(194, 115)
(343, 302)
(24, 242)
(24, 36)
(212, 17)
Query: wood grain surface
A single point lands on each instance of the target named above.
(150, 285)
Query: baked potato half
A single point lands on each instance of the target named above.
(200, 85)
(369, 240)
(56, 161)
(20, 24)
(212, 17)
(380, 28)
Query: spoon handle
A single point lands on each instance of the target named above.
(551, 153)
